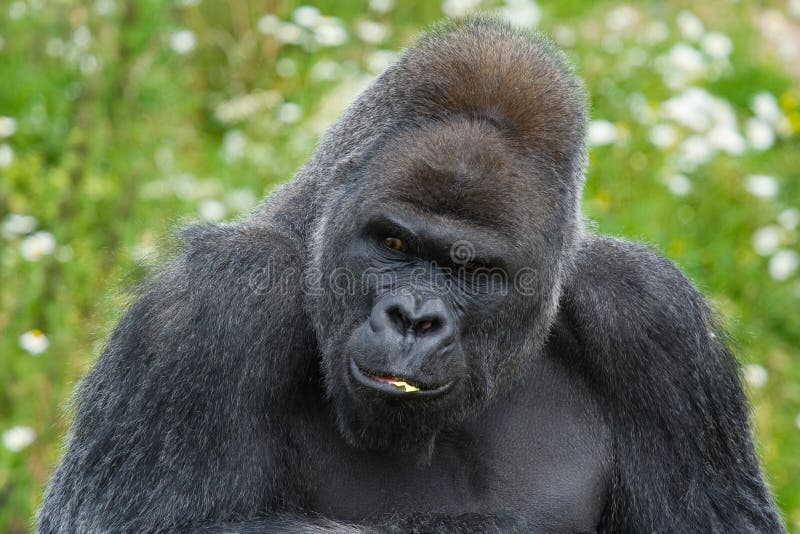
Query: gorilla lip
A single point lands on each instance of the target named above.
(392, 385)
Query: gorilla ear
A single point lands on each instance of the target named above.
(484, 67)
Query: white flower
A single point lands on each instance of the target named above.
(695, 150)
(187, 186)
(655, 33)
(663, 135)
(37, 245)
(211, 210)
(700, 111)
(324, 70)
(686, 59)
(722, 113)
(459, 8)
(678, 184)
(288, 33)
(766, 107)
(7, 126)
(82, 36)
(234, 144)
(794, 10)
(379, 60)
(16, 224)
(621, 18)
(163, 188)
(268, 24)
(783, 264)
(690, 26)
(289, 113)
(381, 6)
(17, 438)
(286, 67)
(766, 240)
(89, 64)
(727, 139)
(240, 108)
(522, 13)
(17, 10)
(564, 35)
(641, 109)
(634, 57)
(306, 16)
(602, 132)
(717, 45)
(760, 134)
(6, 156)
(104, 7)
(330, 32)
(371, 32)
(182, 41)
(690, 108)
(34, 341)
(240, 200)
(789, 218)
(761, 185)
(755, 375)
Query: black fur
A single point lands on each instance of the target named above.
(683, 460)
(591, 389)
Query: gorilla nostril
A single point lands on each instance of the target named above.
(397, 318)
(428, 326)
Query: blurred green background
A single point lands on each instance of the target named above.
(120, 119)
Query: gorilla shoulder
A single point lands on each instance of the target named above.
(653, 351)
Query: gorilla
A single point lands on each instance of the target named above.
(419, 333)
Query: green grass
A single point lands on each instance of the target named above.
(119, 138)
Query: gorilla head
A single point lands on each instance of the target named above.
(442, 245)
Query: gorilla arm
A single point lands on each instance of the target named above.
(684, 459)
(177, 423)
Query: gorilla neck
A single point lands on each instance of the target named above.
(389, 430)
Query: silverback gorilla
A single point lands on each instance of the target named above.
(419, 334)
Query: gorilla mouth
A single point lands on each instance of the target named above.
(395, 385)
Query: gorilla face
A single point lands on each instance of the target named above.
(426, 280)
(423, 314)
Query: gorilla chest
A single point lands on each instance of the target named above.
(541, 452)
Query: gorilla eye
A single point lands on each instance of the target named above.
(394, 243)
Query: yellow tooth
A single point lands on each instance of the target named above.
(405, 386)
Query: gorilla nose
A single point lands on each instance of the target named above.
(407, 346)
(407, 316)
